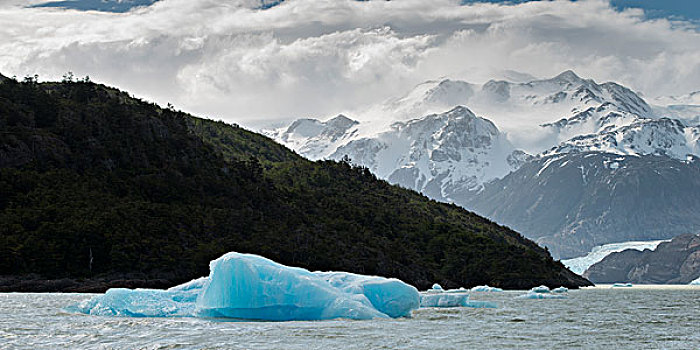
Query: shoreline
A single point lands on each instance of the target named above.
(26, 284)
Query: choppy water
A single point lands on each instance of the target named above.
(623, 318)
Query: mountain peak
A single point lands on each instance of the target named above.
(461, 111)
(341, 122)
(568, 76)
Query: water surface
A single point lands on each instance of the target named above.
(623, 318)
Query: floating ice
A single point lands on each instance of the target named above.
(444, 299)
(437, 287)
(696, 282)
(451, 298)
(617, 285)
(245, 286)
(176, 301)
(543, 292)
(486, 289)
(540, 290)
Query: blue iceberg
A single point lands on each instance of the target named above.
(250, 287)
(543, 292)
(695, 282)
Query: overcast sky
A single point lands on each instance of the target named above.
(232, 60)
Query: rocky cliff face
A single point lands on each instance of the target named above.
(572, 202)
(674, 262)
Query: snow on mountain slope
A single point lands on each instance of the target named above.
(645, 136)
(316, 139)
(518, 109)
(413, 142)
(581, 264)
(684, 108)
(439, 155)
(692, 98)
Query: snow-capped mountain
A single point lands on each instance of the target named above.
(443, 154)
(662, 136)
(440, 154)
(519, 108)
(566, 161)
(316, 139)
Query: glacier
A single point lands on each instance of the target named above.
(581, 264)
(251, 287)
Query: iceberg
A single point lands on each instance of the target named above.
(486, 289)
(696, 282)
(581, 264)
(251, 287)
(560, 290)
(451, 298)
(543, 292)
(618, 285)
(175, 302)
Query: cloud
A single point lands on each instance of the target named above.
(232, 61)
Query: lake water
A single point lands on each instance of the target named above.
(622, 318)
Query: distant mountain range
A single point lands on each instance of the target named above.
(566, 161)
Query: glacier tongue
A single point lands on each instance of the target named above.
(581, 264)
(246, 286)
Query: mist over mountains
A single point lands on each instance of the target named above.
(567, 161)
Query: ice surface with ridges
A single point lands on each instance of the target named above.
(246, 286)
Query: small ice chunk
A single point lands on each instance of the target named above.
(451, 298)
(444, 299)
(560, 290)
(624, 285)
(531, 295)
(540, 290)
(486, 289)
(543, 292)
(437, 287)
(478, 304)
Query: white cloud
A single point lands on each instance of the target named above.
(320, 57)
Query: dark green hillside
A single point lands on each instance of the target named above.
(97, 185)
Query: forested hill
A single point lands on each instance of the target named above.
(97, 185)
